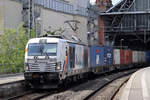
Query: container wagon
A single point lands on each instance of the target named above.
(52, 61)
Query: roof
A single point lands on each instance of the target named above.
(49, 40)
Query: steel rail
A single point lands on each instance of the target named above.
(31, 95)
(126, 73)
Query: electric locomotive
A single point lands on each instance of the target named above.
(50, 61)
(53, 61)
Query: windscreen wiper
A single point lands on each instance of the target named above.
(41, 49)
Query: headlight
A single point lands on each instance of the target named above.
(26, 68)
(58, 66)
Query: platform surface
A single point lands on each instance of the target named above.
(11, 78)
(138, 86)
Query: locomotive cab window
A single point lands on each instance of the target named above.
(48, 49)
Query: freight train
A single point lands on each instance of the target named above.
(50, 61)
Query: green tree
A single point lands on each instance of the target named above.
(12, 49)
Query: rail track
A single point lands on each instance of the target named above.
(87, 90)
(32, 95)
(127, 73)
(103, 79)
(119, 87)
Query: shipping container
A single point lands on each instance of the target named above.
(122, 56)
(135, 56)
(125, 56)
(96, 56)
(139, 57)
(129, 57)
(148, 57)
(143, 57)
(108, 55)
(116, 56)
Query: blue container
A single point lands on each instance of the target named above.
(96, 56)
(108, 55)
(148, 56)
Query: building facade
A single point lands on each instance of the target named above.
(10, 14)
(53, 14)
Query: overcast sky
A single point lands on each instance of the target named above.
(113, 1)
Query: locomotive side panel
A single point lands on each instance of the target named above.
(61, 53)
(79, 57)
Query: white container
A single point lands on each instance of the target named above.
(140, 57)
(116, 56)
(143, 57)
(135, 57)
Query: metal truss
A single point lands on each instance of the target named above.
(94, 12)
(115, 19)
(116, 22)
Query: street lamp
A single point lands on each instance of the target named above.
(89, 38)
(121, 42)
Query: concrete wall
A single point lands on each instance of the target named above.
(10, 14)
(82, 31)
(11, 17)
(82, 3)
(56, 20)
(1, 17)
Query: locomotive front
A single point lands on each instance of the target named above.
(41, 63)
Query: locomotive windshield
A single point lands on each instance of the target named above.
(36, 49)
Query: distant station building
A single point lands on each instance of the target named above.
(68, 15)
(128, 24)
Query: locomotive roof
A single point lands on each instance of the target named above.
(49, 40)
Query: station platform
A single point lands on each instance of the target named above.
(138, 86)
(10, 78)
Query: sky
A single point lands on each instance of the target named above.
(113, 1)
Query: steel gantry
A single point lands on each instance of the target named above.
(126, 5)
(129, 19)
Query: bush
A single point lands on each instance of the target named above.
(12, 49)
